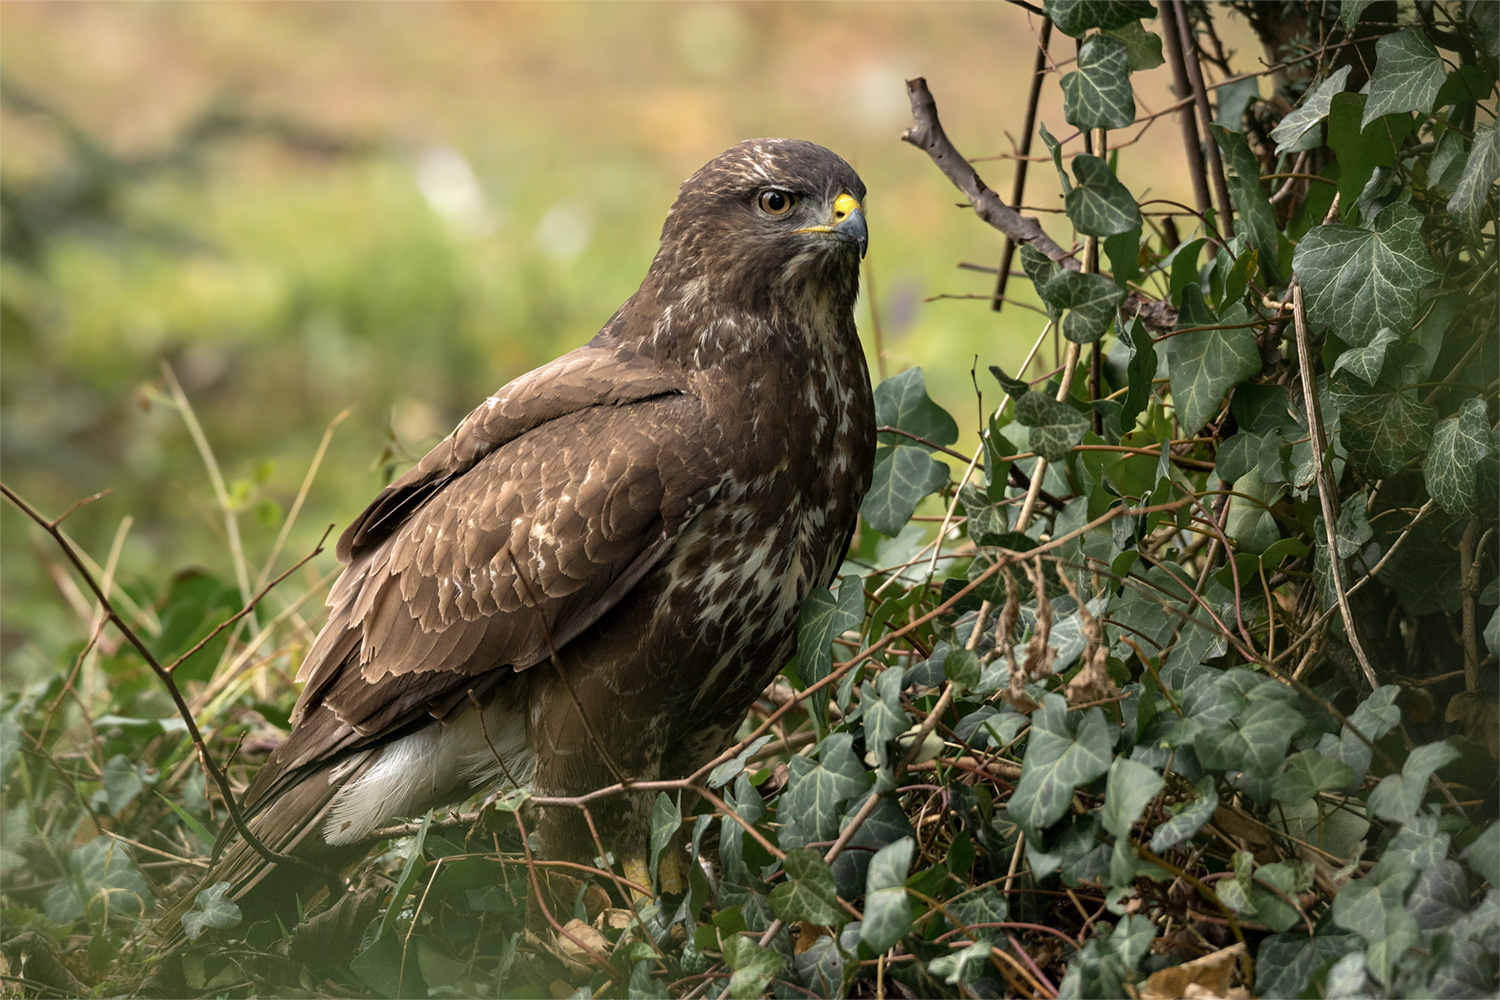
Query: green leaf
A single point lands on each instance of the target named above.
(902, 479)
(1376, 913)
(1458, 446)
(1382, 431)
(1055, 427)
(123, 782)
(1088, 302)
(1205, 364)
(100, 874)
(410, 872)
(1359, 281)
(1124, 253)
(1366, 363)
(1233, 98)
(1142, 46)
(816, 792)
(1099, 205)
(1097, 94)
(1252, 203)
(1314, 108)
(1408, 74)
(1129, 789)
(1055, 148)
(1074, 17)
(1472, 192)
(1189, 820)
(961, 666)
(808, 894)
(1307, 774)
(211, 909)
(1285, 962)
(1140, 371)
(753, 966)
(902, 401)
(1057, 761)
(666, 820)
(1359, 150)
(1015, 388)
(1375, 716)
(1349, 12)
(1398, 796)
(822, 619)
(1483, 855)
(887, 910)
(731, 769)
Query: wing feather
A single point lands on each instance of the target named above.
(471, 570)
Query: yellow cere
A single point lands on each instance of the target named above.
(843, 206)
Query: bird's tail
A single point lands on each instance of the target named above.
(288, 823)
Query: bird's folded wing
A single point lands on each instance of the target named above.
(497, 566)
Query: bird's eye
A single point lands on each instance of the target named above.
(774, 202)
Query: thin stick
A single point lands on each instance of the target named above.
(1190, 140)
(1018, 186)
(219, 777)
(1189, 43)
(1324, 477)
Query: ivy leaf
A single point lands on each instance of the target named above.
(1055, 148)
(1097, 94)
(1315, 105)
(1088, 302)
(99, 870)
(1205, 364)
(1142, 46)
(1398, 796)
(753, 966)
(1130, 786)
(1055, 427)
(822, 619)
(887, 910)
(1349, 12)
(902, 479)
(808, 894)
(817, 791)
(1374, 717)
(730, 769)
(1366, 362)
(1375, 912)
(1189, 820)
(1099, 205)
(1014, 388)
(211, 909)
(1074, 17)
(902, 401)
(1250, 200)
(1307, 774)
(1408, 75)
(666, 820)
(1471, 194)
(1140, 371)
(1359, 281)
(1381, 431)
(1285, 962)
(1058, 760)
(1361, 149)
(1458, 445)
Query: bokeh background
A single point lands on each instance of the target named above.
(393, 209)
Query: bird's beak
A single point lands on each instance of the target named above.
(847, 223)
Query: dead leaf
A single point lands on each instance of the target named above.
(1208, 978)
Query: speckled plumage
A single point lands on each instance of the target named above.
(645, 514)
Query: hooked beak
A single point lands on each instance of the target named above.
(847, 223)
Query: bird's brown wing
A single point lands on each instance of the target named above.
(504, 543)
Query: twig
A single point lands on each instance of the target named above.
(219, 777)
(1324, 476)
(1018, 186)
(1189, 44)
(927, 135)
(1190, 140)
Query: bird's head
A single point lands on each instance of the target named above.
(765, 223)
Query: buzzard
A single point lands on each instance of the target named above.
(598, 570)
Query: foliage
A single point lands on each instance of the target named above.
(1171, 695)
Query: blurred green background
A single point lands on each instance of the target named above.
(395, 208)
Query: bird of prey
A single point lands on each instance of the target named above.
(596, 573)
